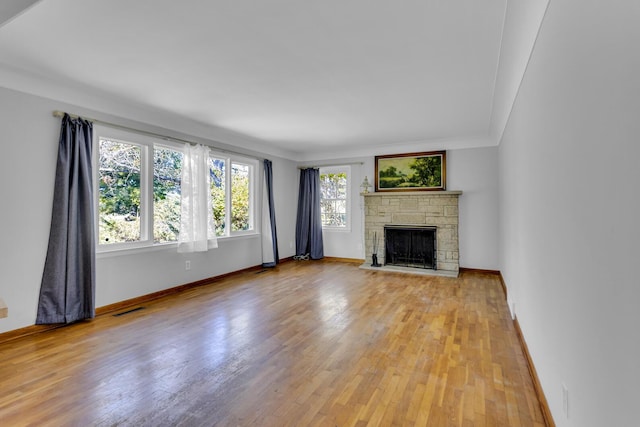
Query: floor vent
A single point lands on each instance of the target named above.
(128, 311)
(261, 271)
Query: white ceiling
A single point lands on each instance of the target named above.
(304, 76)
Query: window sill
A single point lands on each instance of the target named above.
(337, 230)
(159, 247)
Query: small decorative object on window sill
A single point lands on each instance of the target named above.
(365, 185)
(374, 255)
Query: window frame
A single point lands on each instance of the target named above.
(339, 169)
(229, 160)
(147, 144)
(163, 145)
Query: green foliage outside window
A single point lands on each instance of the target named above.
(167, 170)
(240, 192)
(119, 193)
(218, 196)
(333, 199)
(240, 220)
(119, 190)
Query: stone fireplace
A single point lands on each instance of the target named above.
(414, 210)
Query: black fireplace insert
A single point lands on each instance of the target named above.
(410, 246)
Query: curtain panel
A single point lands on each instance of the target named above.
(67, 290)
(308, 223)
(269, 235)
(197, 227)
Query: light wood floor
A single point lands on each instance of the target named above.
(309, 343)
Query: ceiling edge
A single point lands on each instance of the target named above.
(93, 99)
(522, 25)
(11, 9)
(456, 143)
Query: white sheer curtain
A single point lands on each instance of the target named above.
(197, 228)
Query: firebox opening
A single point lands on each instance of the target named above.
(410, 246)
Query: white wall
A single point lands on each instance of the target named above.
(348, 243)
(474, 171)
(29, 136)
(570, 210)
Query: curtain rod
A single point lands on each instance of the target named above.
(57, 113)
(328, 166)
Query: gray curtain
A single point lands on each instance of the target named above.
(269, 236)
(67, 291)
(308, 224)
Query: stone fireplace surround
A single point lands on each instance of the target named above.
(433, 208)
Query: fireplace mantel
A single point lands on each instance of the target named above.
(424, 208)
(411, 193)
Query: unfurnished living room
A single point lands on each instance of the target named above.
(336, 213)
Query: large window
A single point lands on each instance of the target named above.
(217, 171)
(232, 194)
(167, 168)
(241, 219)
(334, 197)
(138, 181)
(119, 191)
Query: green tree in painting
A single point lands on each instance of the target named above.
(391, 172)
(391, 177)
(427, 171)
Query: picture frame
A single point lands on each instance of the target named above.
(411, 172)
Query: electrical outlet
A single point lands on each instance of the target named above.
(565, 400)
(187, 265)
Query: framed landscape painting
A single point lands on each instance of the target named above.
(411, 172)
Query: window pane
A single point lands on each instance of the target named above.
(218, 199)
(342, 192)
(332, 188)
(324, 185)
(167, 167)
(240, 219)
(333, 203)
(325, 208)
(119, 192)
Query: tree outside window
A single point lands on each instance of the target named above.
(334, 197)
(119, 190)
(138, 191)
(167, 170)
(240, 189)
(218, 193)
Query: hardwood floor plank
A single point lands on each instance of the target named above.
(307, 343)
